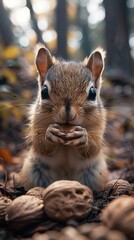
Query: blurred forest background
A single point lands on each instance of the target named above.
(71, 29)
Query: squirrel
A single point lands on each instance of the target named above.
(67, 123)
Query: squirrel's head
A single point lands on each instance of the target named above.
(69, 91)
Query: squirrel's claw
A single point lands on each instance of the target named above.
(54, 135)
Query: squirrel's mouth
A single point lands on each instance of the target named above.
(66, 124)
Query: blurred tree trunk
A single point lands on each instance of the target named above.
(61, 27)
(34, 22)
(117, 45)
(6, 33)
(83, 23)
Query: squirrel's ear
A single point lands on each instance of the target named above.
(44, 61)
(95, 63)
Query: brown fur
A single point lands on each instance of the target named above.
(48, 160)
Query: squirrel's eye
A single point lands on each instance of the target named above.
(44, 93)
(92, 94)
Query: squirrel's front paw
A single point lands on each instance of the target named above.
(78, 136)
(53, 134)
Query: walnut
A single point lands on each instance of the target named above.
(36, 192)
(97, 231)
(71, 233)
(4, 203)
(102, 232)
(24, 210)
(113, 235)
(117, 187)
(66, 128)
(119, 215)
(49, 235)
(65, 200)
(87, 228)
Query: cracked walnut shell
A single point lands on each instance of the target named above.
(119, 215)
(24, 210)
(65, 200)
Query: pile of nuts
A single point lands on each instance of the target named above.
(61, 201)
(69, 200)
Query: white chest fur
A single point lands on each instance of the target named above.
(65, 160)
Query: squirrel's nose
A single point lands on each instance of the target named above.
(67, 106)
(67, 112)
